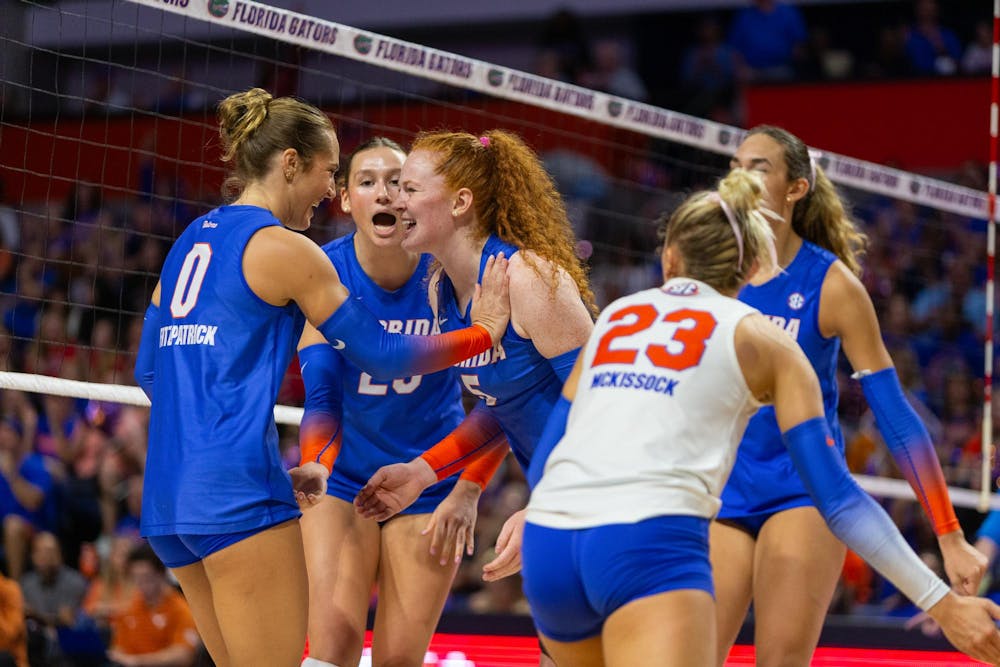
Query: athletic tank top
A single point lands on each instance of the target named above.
(213, 465)
(389, 422)
(660, 406)
(516, 382)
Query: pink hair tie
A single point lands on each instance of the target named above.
(485, 141)
(715, 196)
(813, 155)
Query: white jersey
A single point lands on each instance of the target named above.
(660, 408)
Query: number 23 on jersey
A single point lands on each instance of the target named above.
(684, 349)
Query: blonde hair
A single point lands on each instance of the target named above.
(705, 234)
(821, 216)
(514, 197)
(253, 126)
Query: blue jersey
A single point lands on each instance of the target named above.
(389, 422)
(518, 384)
(213, 464)
(763, 479)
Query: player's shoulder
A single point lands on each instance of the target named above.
(842, 285)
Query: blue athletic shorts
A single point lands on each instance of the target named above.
(752, 523)
(575, 579)
(181, 550)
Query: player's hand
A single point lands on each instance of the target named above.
(970, 624)
(393, 488)
(508, 548)
(309, 483)
(491, 300)
(453, 523)
(964, 564)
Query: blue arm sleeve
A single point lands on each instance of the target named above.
(910, 445)
(320, 432)
(854, 517)
(555, 429)
(563, 364)
(360, 337)
(145, 359)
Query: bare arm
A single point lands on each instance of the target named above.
(847, 311)
(308, 277)
(772, 363)
(555, 322)
(281, 266)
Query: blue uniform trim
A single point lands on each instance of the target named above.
(563, 363)
(181, 550)
(145, 360)
(555, 429)
(990, 528)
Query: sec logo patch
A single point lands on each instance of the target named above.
(796, 300)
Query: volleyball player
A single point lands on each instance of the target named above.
(616, 555)
(462, 199)
(218, 507)
(770, 544)
(382, 422)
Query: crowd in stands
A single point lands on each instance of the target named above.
(766, 41)
(81, 588)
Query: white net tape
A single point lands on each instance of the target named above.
(283, 414)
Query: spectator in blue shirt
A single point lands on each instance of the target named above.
(25, 495)
(931, 48)
(771, 37)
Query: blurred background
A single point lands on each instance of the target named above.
(107, 150)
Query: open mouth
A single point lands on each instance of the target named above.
(384, 220)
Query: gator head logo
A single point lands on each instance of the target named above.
(495, 77)
(218, 8)
(363, 44)
(614, 108)
(725, 137)
(915, 187)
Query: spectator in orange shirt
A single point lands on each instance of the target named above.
(13, 635)
(112, 591)
(157, 628)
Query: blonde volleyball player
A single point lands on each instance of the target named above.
(628, 474)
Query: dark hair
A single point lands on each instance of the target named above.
(143, 553)
(820, 217)
(344, 173)
(254, 126)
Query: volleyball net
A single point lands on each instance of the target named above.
(109, 148)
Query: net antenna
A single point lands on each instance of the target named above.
(991, 240)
